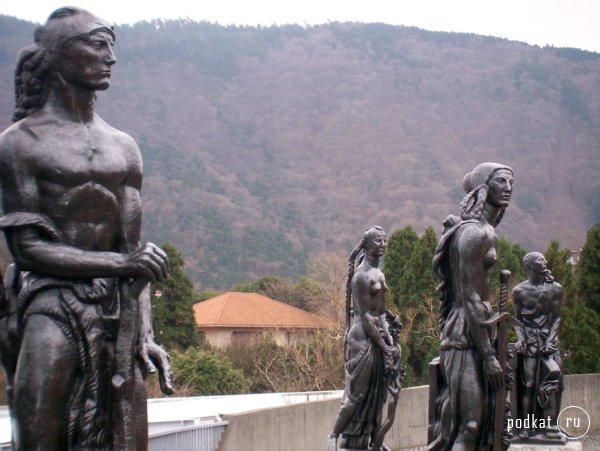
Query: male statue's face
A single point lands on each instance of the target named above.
(500, 188)
(539, 265)
(86, 61)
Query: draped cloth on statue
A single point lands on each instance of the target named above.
(87, 313)
(364, 368)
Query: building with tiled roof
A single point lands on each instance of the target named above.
(235, 318)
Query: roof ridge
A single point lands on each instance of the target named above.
(226, 294)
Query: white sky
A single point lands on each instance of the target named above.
(562, 23)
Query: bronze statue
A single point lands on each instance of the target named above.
(539, 369)
(78, 339)
(372, 354)
(470, 372)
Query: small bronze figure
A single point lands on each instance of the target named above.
(372, 355)
(470, 371)
(78, 338)
(539, 368)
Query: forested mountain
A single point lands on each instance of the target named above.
(264, 144)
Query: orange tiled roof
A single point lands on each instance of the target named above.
(233, 309)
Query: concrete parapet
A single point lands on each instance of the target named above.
(305, 426)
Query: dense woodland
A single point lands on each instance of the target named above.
(268, 151)
(264, 145)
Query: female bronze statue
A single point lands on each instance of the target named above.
(79, 338)
(372, 356)
(463, 261)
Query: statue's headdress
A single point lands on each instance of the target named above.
(63, 25)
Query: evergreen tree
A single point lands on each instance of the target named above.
(579, 337)
(418, 311)
(580, 326)
(510, 256)
(411, 283)
(397, 255)
(588, 270)
(418, 280)
(172, 305)
(562, 271)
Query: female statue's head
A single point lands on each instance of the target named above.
(35, 63)
(489, 183)
(373, 242)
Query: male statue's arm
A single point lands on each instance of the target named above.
(153, 355)
(551, 344)
(521, 344)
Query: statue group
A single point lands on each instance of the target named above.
(472, 376)
(76, 339)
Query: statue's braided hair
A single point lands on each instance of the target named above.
(31, 86)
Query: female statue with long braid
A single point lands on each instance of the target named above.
(464, 258)
(372, 357)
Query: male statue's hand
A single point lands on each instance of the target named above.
(148, 261)
(155, 357)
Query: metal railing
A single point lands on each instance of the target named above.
(203, 437)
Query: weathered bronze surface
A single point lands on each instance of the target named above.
(77, 338)
(539, 374)
(468, 377)
(373, 373)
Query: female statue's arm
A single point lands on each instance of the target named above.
(472, 246)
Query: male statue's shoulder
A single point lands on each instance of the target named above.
(124, 142)
(15, 139)
(520, 287)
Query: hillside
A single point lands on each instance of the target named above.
(262, 145)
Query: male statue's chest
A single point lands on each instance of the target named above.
(75, 156)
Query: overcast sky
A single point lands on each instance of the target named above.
(562, 23)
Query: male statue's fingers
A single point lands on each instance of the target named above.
(161, 267)
(161, 252)
(149, 273)
(149, 365)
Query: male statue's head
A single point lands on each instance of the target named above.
(535, 263)
(72, 44)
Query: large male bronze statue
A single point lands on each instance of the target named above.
(539, 375)
(470, 375)
(78, 339)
